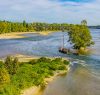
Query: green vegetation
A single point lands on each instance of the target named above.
(11, 65)
(7, 27)
(80, 37)
(4, 76)
(84, 22)
(16, 76)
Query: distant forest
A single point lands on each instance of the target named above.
(95, 27)
(78, 34)
(7, 26)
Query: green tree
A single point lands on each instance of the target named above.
(8, 64)
(24, 23)
(80, 36)
(4, 76)
(11, 65)
(15, 65)
(84, 22)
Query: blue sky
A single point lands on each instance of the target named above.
(60, 11)
(75, 0)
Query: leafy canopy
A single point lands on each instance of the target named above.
(79, 36)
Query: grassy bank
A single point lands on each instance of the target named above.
(16, 76)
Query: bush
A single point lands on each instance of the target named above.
(10, 90)
(84, 51)
(4, 76)
(44, 59)
(8, 64)
(57, 60)
(33, 62)
(62, 67)
(28, 74)
(66, 62)
(15, 65)
(11, 65)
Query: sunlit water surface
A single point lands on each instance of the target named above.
(84, 75)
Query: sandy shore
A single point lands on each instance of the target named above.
(37, 90)
(32, 91)
(26, 58)
(21, 58)
(45, 33)
(13, 35)
(20, 34)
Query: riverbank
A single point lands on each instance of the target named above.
(32, 91)
(46, 32)
(30, 77)
(13, 35)
(37, 90)
(26, 58)
(21, 57)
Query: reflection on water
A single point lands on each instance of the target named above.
(80, 80)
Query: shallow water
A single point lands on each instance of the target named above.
(84, 76)
(79, 81)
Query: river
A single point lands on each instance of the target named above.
(84, 75)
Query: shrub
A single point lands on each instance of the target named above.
(62, 67)
(11, 65)
(44, 59)
(15, 65)
(57, 60)
(27, 74)
(66, 62)
(4, 76)
(33, 62)
(8, 64)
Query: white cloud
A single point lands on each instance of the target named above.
(50, 11)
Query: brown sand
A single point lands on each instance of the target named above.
(19, 34)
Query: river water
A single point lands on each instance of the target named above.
(84, 75)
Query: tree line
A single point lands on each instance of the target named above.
(94, 27)
(7, 26)
(79, 35)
